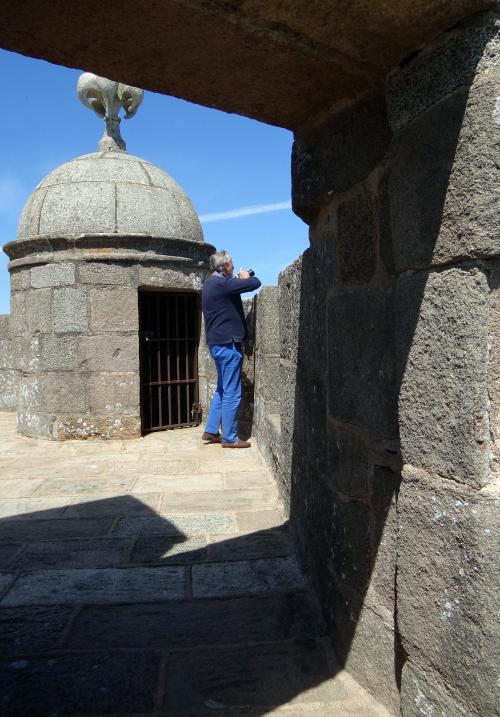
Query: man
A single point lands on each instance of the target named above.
(226, 329)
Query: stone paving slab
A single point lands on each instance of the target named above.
(270, 575)
(104, 585)
(175, 524)
(263, 544)
(7, 552)
(250, 521)
(95, 506)
(65, 685)
(178, 483)
(216, 501)
(27, 630)
(88, 553)
(264, 675)
(107, 486)
(155, 549)
(195, 623)
(32, 508)
(27, 531)
(19, 487)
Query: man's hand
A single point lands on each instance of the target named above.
(243, 274)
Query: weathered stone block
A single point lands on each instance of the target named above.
(361, 360)
(422, 694)
(87, 683)
(255, 676)
(268, 383)
(448, 567)
(33, 424)
(108, 353)
(177, 277)
(20, 279)
(27, 630)
(28, 394)
(96, 168)
(87, 553)
(175, 524)
(117, 427)
(135, 203)
(5, 332)
(349, 464)
(65, 209)
(39, 311)
(27, 531)
(6, 354)
(267, 321)
(384, 488)
(356, 239)
(52, 275)
(290, 281)
(442, 68)
(17, 313)
(114, 309)
(337, 155)
(62, 392)
(195, 623)
(442, 347)
(102, 585)
(453, 214)
(292, 405)
(114, 393)
(27, 352)
(364, 644)
(28, 222)
(58, 353)
(104, 273)
(8, 381)
(70, 310)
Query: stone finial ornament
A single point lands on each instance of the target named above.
(106, 98)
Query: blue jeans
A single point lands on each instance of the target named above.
(225, 403)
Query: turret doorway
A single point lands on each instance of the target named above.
(169, 332)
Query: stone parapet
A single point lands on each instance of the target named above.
(389, 365)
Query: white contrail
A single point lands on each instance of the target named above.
(245, 211)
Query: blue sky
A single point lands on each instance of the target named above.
(224, 162)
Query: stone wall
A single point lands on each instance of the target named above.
(389, 333)
(75, 330)
(7, 372)
(268, 391)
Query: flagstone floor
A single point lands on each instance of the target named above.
(155, 577)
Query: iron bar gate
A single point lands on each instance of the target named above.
(168, 331)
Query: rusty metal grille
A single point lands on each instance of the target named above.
(168, 331)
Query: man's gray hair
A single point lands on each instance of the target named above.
(219, 260)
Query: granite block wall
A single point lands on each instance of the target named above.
(7, 371)
(388, 336)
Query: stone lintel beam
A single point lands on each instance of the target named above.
(281, 63)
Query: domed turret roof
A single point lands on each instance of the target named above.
(109, 192)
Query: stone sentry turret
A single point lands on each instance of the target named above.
(93, 234)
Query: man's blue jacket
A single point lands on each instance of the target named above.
(222, 307)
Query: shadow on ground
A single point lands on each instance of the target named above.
(117, 611)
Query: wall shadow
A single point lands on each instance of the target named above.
(109, 608)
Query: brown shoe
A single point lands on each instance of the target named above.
(237, 444)
(211, 437)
